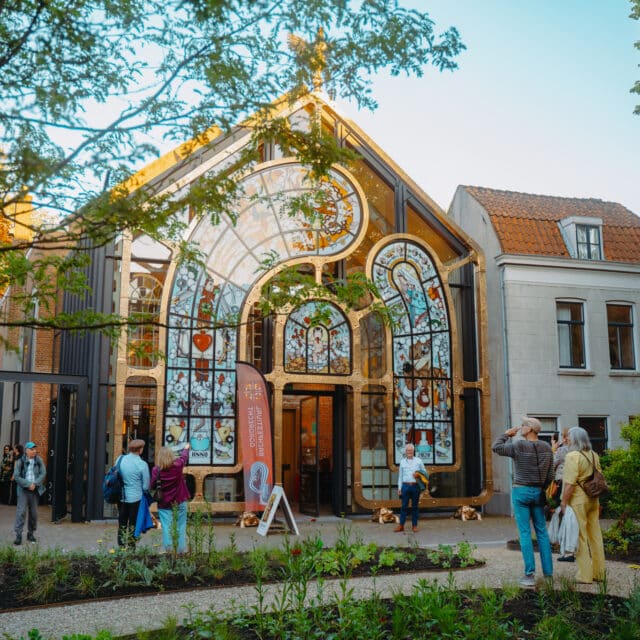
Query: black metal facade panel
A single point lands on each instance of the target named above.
(473, 442)
(87, 354)
(470, 366)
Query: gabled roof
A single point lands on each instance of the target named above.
(528, 224)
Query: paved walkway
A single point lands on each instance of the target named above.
(127, 615)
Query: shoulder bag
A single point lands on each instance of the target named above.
(595, 485)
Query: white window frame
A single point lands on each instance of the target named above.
(632, 325)
(569, 323)
(569, 230)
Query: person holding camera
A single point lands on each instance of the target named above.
(533, 471)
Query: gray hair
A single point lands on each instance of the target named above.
(532, 423)
(579, 439)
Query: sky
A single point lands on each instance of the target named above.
(540, 102)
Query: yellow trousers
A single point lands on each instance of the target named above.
(590, 553)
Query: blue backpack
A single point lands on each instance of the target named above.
(112, 485)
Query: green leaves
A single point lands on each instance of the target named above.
(89, 88)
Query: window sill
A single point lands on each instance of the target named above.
(576, 372)
(624, 373)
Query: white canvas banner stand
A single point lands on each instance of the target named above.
(277, 499)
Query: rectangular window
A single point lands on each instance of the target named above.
(588, 242)
(620, 324)
(597, 430)
(570, 321)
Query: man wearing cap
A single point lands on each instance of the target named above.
(29, 474)
(135, 479)
(532, 472)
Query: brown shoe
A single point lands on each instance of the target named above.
(414, 529)
(399, 528)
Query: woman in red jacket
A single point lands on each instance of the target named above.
(174, 496)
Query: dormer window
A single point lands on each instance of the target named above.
(588, 242)
(583, 237)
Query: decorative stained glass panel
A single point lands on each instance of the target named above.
(317, 346)
(410, 286)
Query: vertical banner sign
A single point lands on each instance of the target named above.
(254, 431)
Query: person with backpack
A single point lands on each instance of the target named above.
(134, 472)
(172, 494)
(579, 465)
(29, 473)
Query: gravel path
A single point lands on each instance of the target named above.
(127, 615)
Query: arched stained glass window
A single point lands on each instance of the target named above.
(205, 304)
(317, 340)
(201, 360)
(410, 286)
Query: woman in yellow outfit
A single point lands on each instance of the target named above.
(578, 466)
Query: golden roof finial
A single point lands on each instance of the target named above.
(312, 54)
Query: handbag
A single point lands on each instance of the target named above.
(550, 492)
(422, 481)
(157, 494)
(595, 485)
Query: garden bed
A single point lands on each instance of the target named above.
(430, 611)
(49, 577)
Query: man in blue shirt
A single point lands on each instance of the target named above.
(408, 487)
(135, 479)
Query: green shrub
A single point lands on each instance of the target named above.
(621, 468)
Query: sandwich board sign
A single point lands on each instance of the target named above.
(277, 499)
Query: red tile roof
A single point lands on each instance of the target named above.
(528, 224)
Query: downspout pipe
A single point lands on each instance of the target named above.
(505, 361)
(505, 349)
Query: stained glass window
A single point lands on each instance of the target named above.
(317, 340)
(201, 359)
(145, 292)
(205, 304)
(410, 286)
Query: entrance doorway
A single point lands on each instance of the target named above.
(312, 433)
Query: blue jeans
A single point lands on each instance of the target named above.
(409, 492)
(528, 507)
(166, 520)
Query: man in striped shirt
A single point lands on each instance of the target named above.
(532, 472)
